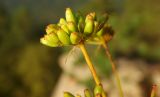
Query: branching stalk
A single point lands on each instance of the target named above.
(90, 65)
(113, 69)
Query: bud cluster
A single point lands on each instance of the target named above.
(98, 92)
(76, 28)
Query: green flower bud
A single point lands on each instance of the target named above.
(87, 93)
(89, 17)
(99, 92)
(65, 28)
(100, 32)
(93, 14)
(52, 37)
(48, 43)
(63, 37)
(71, 26)
(96, 24)
(50, 40)
(52, 28)
(62, 21)
(78, 95)
(89, 26)
(63, 24)
(80, 24)
(67, 94)
(98, 95)
(75, 38)
(70, 17)
(104, 94)
(98, 89)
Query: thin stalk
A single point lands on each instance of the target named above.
(113, 69)
(153, 92)
(90, 65)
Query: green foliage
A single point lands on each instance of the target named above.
(137, 30)
(32, 71)
(22, 71)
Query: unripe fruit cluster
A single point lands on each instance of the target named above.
(76, 28)
(98, 92)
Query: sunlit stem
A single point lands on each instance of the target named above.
(90, 65)
(113, 68)
(153, 92)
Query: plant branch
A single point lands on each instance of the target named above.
(113, 68)
(90, 65)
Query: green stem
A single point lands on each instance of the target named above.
(90, 65)
(113, 69)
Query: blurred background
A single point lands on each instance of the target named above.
(30, 69)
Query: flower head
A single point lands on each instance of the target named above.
(75, 29)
